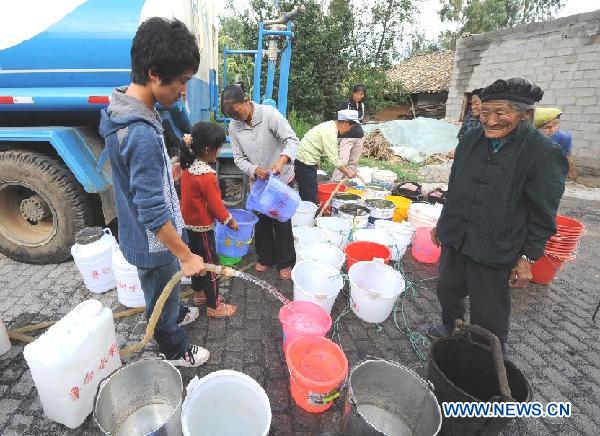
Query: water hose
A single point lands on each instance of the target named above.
(18, 333)
(162, 299)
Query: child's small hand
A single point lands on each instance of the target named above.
(233, 225)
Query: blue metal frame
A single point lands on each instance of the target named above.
(284, 72)
(70, 146)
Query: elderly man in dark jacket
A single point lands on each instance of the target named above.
(504, 191)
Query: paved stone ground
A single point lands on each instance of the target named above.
(553, 340)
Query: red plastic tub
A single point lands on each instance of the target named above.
(545, 269)
(324, 192)
(366, 251)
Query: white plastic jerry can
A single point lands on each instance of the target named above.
(4, 339)
(71, 358)
(129, 288)
(93, 258)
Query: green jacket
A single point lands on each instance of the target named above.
(502, 205)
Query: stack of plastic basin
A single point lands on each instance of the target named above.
(561, 247)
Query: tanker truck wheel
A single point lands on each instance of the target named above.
(41, 207)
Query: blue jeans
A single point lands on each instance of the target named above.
(171, 339)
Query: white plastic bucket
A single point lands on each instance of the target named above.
(423, 214)
(373, 192)
(372, 235)
(356, 221)
(307, 235)
(323, 252)
(4, 339)
(401, 235)
(384, 176)
(305, 214)
(343, 198)
(227, 403)
(374, 289)
(337, 229)
(129, 288)
(316, 282)
(94, 262)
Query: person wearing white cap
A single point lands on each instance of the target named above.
(322, 140)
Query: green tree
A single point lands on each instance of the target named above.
(334, 47)
(379, 29)
(478, 16)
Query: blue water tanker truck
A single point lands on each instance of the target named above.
(58, 66)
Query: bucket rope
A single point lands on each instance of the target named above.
(419, 342)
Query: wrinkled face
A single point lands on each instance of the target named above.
(168, 93)
(550, 128)
(475, 105)
(238, 110)
(499, 119)
(358, 96)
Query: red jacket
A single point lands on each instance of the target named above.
(201, 202)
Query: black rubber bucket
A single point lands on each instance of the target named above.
(463, 370)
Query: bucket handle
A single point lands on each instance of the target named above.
(241, 243)
(497, 357)
(373, 293)
(426, 383)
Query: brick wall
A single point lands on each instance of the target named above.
(562, 56)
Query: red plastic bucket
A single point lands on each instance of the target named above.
(545, 268)
(317, 367)
(569, 226)
(324, 192)
(367, 251)
(303, 318)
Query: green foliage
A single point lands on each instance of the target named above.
(333, 49)
(405, 171)
(378, 30)
(299, 124)
(478, 16)
(381, 92)
(420, 45)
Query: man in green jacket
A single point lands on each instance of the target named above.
(505, 187)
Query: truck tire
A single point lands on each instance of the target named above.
(43, 206)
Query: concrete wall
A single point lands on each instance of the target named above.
(562, 56)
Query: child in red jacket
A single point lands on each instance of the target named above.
(201, 205)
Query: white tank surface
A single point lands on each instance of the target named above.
(71, 358)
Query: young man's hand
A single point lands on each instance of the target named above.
(261, 173)
(233, 224)
(520, 275)
(192, 265)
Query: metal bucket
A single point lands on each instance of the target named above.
(141, 398)
(386, 398)
(467, 371)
